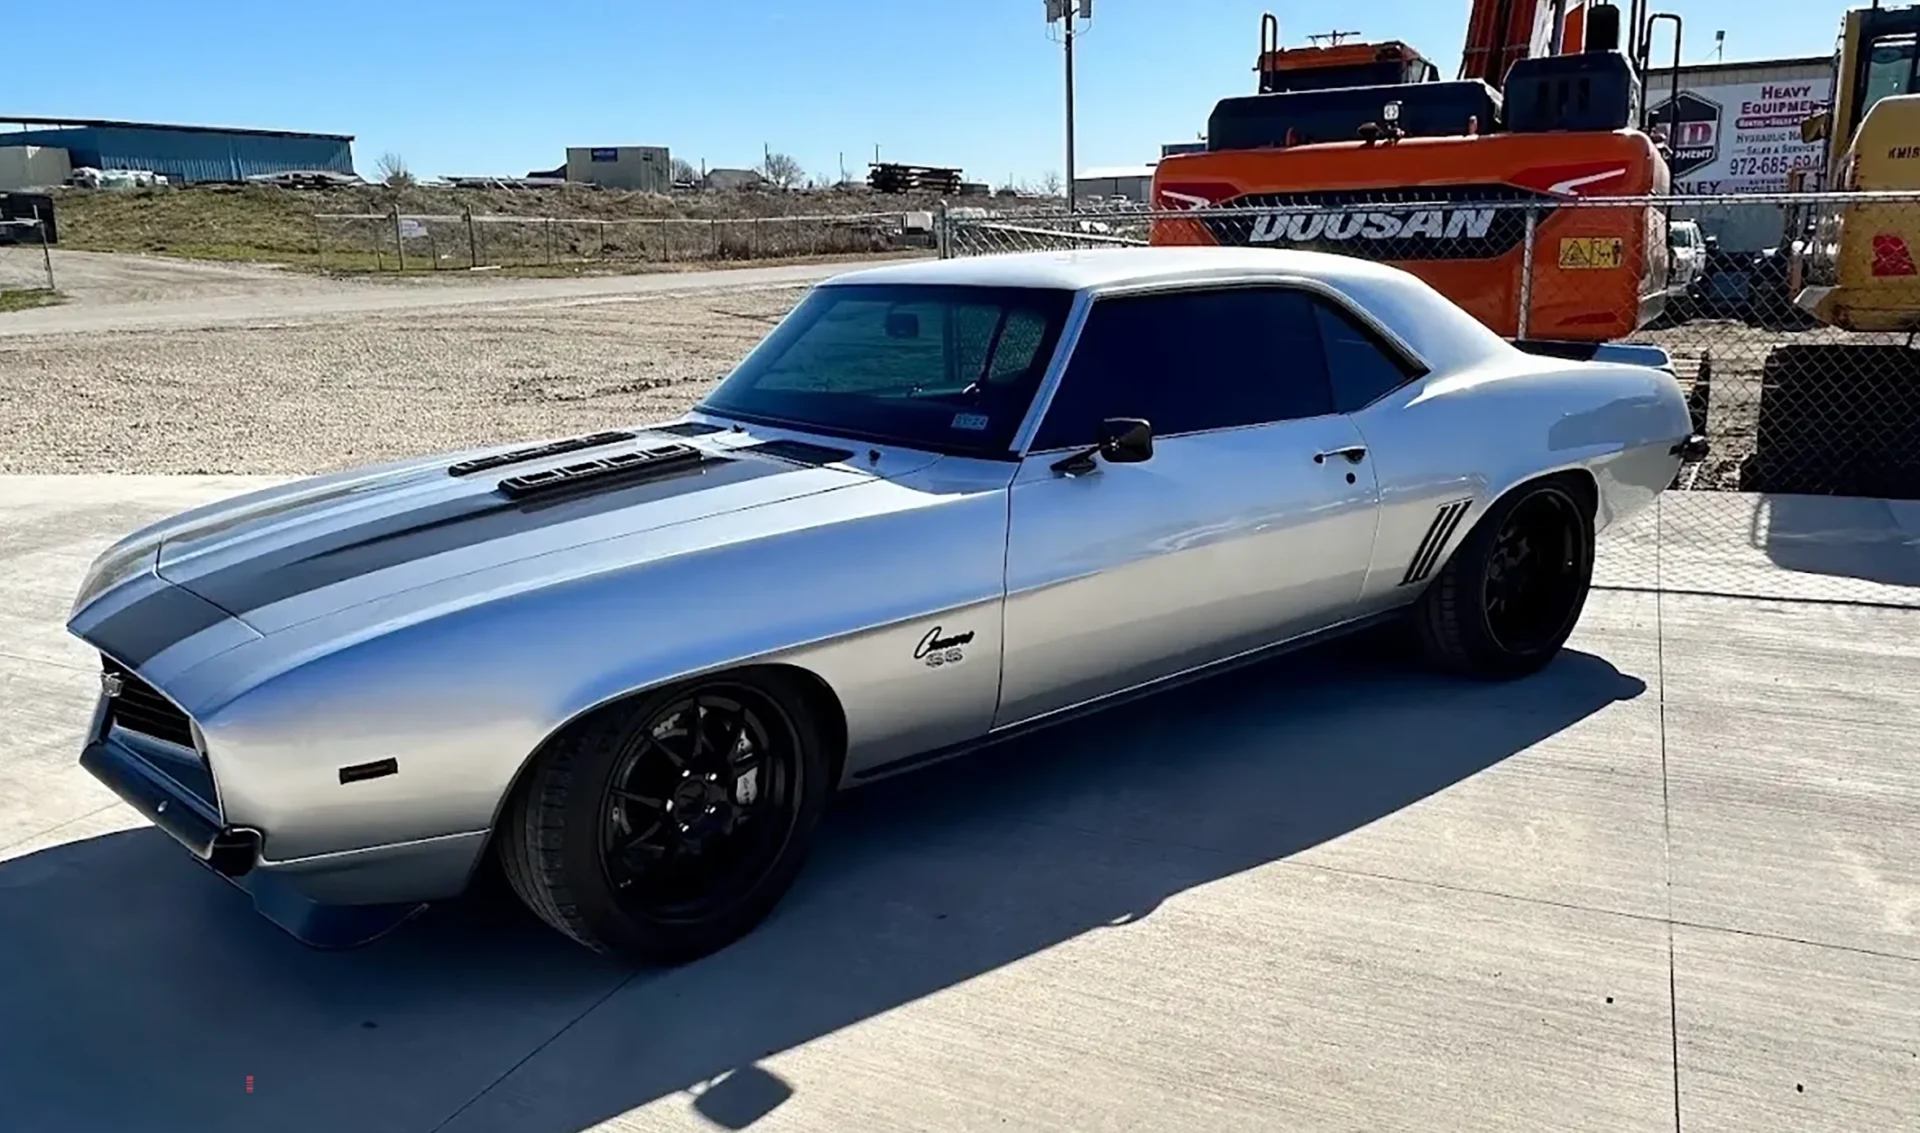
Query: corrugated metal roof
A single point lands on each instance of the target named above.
(105, 123)
(194, 155)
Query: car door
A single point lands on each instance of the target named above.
(1253, 521)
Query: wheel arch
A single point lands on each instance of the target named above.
(818, 694)
(1578, 479)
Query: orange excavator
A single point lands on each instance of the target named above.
(1361, 148)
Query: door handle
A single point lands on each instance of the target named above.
(1354, 454)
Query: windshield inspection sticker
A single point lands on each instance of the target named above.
(974, 422)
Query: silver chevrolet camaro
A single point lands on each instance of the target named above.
(941, 503)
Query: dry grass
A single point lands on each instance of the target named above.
(257, 223)
(27, 300)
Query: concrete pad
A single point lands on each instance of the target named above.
(1777, 1036)
(1796, 826)
(138, 991)
(1807, 659)
(45, 710)
(1813, 548)
(1053, 979)
(51, 527)
(1627, 555)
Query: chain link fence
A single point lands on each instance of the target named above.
(400, 242)
(25, 262)
(1811, 488)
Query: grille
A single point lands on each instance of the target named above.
(139, 708)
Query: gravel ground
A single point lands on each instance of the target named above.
(317, 395)
(99, 277)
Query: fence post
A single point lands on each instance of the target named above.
(942, 236)
(319, 244)
(666, 241)
(46, 253)
(713, 230)
(473, 249)
(1526, 273)
(549, 241)
(399, 246)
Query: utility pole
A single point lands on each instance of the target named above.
(1063, 11)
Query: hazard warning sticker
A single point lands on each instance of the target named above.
(1592, 253)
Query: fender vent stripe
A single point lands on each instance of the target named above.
(689, 429)
(1441, 530)
(522, 455)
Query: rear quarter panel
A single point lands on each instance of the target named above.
(1476, 434)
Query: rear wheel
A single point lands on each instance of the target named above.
(1508, 599)
(666, 829)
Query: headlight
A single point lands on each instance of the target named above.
(113, 567)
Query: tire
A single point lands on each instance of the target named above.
(628, 776)
(1479, 616)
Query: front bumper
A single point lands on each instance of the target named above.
(283, 893)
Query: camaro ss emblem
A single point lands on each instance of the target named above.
(937, 651)
(111, 684)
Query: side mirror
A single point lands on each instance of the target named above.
(1126, 440)
(1123, 440)
(1815, 127)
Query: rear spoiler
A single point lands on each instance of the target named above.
(1627, 353)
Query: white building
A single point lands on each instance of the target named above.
(1736, 129)
(33, 167)
(648, 168)
(1134, 182)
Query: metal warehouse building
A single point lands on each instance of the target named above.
(184, 154)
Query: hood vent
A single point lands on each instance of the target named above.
(800, 452)
(625, 467)
(689, 429)
(536, 452)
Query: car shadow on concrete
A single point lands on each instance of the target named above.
(137, 991)
(1873, 540)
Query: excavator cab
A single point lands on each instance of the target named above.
(1340, 65)
(1361, 149)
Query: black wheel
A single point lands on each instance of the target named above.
(666, 829)
(1511, 594)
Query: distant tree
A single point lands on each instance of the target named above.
(683, 170)
(393, 171)
(1049, 184)
(783, 169)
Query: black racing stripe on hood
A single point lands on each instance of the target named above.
(287, 572)
(146, 628)
(220, 525)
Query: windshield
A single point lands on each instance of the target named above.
(1890, 69)
(947, 369)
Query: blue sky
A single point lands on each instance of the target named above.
(484, 86)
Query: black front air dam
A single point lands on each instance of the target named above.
(233, 853)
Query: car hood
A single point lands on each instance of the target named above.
(285, 556)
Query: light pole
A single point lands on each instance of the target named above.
(1062, 11)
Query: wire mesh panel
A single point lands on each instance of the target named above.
(1788, 320)
(395, 242)
(24, 262)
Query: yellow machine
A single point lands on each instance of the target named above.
(1859, 266)
(1842, 417)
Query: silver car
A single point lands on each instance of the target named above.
(941, 503)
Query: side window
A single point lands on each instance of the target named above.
(1192, 361)
(1361, 367)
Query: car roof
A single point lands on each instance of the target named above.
(1439, 332)
(1114, 267)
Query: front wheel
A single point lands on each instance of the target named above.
(665, 829)
(1508, 599)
